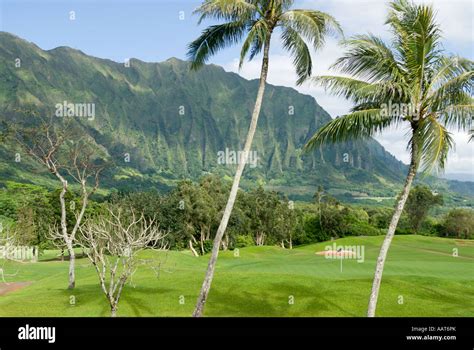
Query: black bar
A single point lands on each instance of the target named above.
(331, 331)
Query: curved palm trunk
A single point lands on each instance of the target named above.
(235, 187)
(391, 232)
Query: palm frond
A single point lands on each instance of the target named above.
(447, 68)
(460, 116)
(357, 125)
(293, 42)
(312, 25)
(457, 90)
(227, 10)
(369, 58)
(284, 4)
(360, 91)
(435, 142)
(213, 39)
(255, 40)
(417, 39)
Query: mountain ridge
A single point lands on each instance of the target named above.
(173, 122)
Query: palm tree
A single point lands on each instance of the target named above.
(254, 22)
(409, 74)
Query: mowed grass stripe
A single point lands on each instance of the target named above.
(264, 281)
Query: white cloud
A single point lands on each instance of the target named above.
(456, 20)
(354, 15)
(461, 159)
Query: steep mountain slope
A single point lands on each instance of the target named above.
(161, 122)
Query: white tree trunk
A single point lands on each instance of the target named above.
(235, 186)
(201, 242)
(391, 232)
(113, 306)
(195, 253)
(72, 263)
(67, 240)
(260, 239)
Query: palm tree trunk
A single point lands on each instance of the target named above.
(235, 186)
(391, 232)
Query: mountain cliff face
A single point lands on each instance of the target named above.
(160, 121)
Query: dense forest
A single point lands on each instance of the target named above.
(190, 214)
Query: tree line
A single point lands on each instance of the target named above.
(190, 213)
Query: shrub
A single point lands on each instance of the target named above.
(207, 244)
(404, 231)
(242, 241)
(313, 231)
(380, 217)
(362, 228)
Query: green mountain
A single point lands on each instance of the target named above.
(161, 122)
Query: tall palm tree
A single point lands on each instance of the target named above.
(410, 72)
(254, 22)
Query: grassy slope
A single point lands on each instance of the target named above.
(260, 281)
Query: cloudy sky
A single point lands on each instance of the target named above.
(154, 30)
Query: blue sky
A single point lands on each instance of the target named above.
(155, 30)
(148, 30)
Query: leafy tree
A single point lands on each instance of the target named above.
(334, 221)
(25, 229)
(318, 197)
(313, 231)
(412, 71)
(261, 207)
(379, 217)
(459, 223)
(419, 203)
(256, 21)
(287, 223)
(193, 210)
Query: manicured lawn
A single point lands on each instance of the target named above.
(264, 281)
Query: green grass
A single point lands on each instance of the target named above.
(261, 281)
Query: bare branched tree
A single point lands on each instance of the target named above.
(82, 166)
(54, 235)
(112, 242)
(60, 147)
